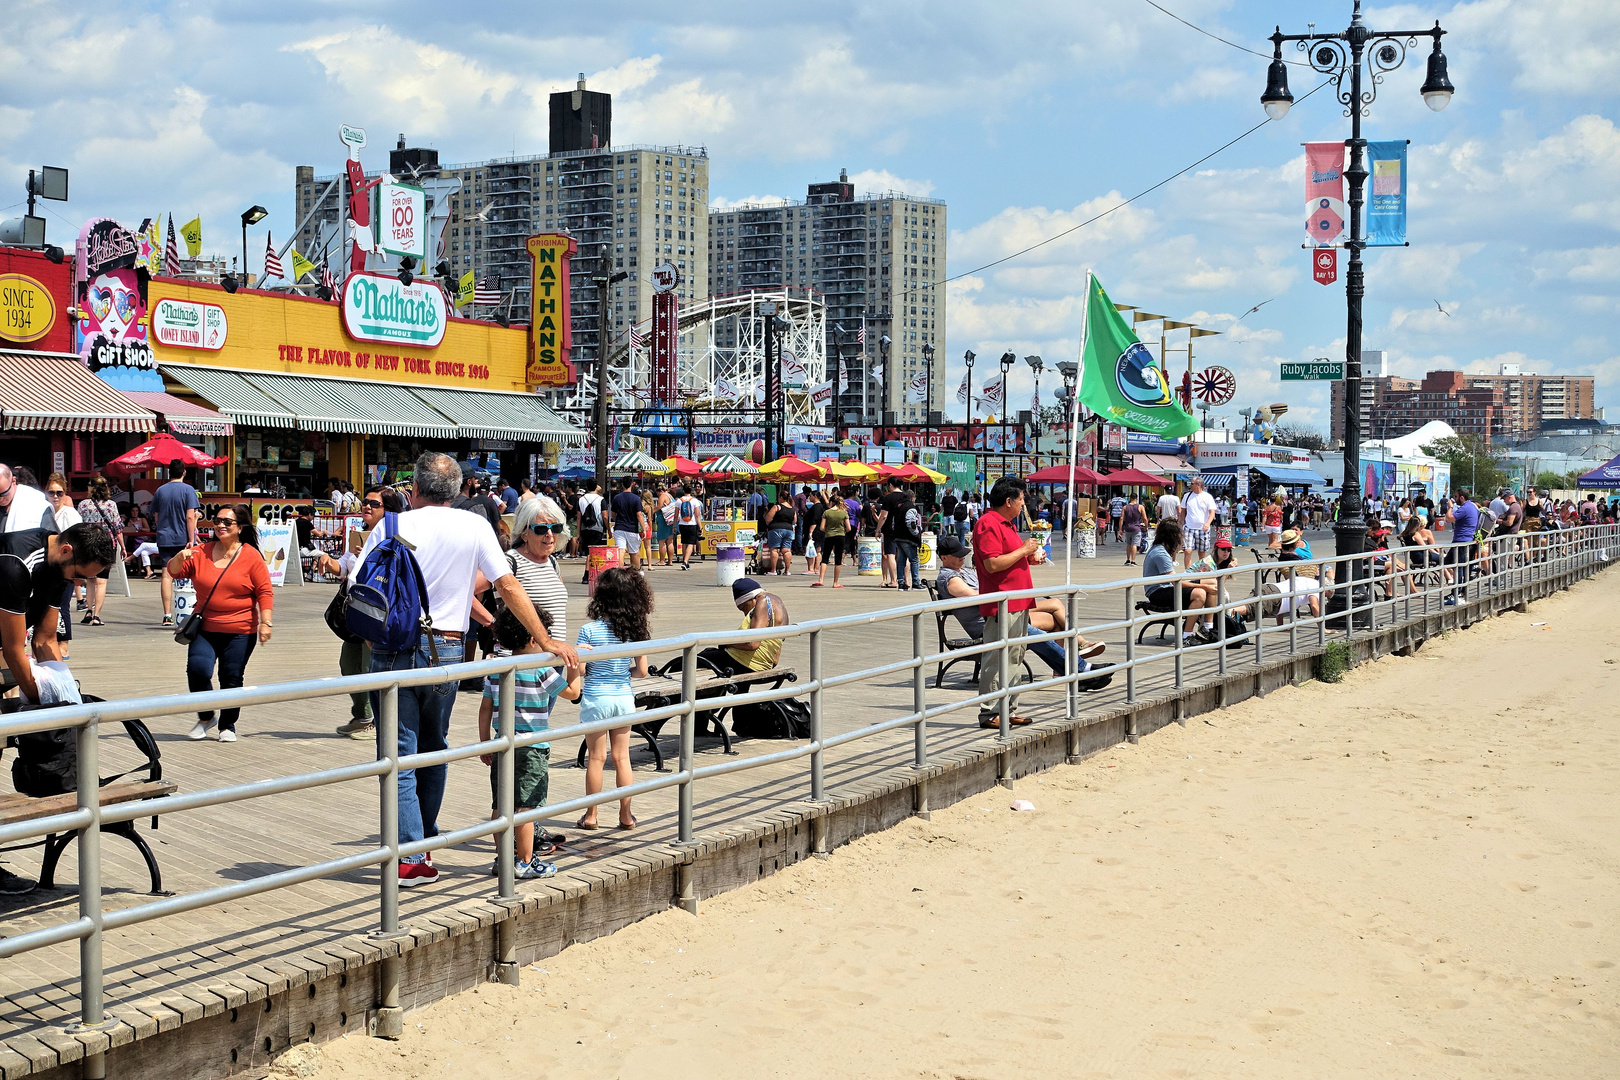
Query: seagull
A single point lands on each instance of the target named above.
(1254, 309)
(1443, 311)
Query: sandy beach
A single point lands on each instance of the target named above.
(1411, 873)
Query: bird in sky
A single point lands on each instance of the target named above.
(1254, 309)
(1442, 310)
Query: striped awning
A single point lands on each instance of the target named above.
(182, 417)
(489, 414)
(637, 461)
(42, 391)
(232, 395)
(355, 406)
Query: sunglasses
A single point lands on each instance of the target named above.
(224, 521)
(555, 528)
(55, 493)
(375, 504)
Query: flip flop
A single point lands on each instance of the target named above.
(633, 824)
(816, 585)
(582, 824)
(1014, 721)
(837, 586)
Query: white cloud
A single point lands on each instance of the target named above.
(882, 182)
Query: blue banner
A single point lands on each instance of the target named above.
(1386, 206)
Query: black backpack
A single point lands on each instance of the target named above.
(590, 516)
(784, 718)
(48, 761)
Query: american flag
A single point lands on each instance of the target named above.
(272, 262)
(328, 282)
(484, 296)
(860, 335)
(171, 252)
(637, 341)
(1035, 402)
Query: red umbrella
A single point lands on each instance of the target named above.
(1135, 476)
(683, 466)
(158, 451)
(1059, 474)
(883, 469)
(792, 468)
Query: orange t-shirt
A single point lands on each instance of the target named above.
(228, 609)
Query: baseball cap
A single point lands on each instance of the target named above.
(1222, 543)
(951, 545)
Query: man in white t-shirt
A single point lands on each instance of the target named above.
(1169, 506)
(1197, 519)
(452, 548)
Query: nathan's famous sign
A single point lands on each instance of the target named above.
(549, 337)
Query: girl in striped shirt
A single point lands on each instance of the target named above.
(618, 614)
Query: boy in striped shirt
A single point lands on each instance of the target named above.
(534, 692)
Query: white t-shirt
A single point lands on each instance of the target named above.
(1169, 507)
(451, 547)
(67, 517)
(1200, 509)
(594, 500)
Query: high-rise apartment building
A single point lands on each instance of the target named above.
(1519, 404)
(638, 206)
(877, 261)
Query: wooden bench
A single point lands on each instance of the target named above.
(951, 644)
(16, 807)
(664, 688)
(1165, 623)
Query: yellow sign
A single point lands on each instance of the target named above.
(300, 335)
(300, 265)
(27, 312)
(464, 290)
(549, 329)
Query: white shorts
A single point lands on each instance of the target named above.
(1271, 530)
(630, 541)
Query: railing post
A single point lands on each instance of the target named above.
(506, 965)
(1259, 617)
(1130, 652)
(919, 705)
(1293, 610)
(91, 1015)
(1071, 653)
(685, 887)
(817, 788)
(1220, 622)
(1005, 662)
(390, 1016)
(1175, 587)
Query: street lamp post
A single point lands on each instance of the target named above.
(928, 408)
(1036, 365)
(885, 415)
(1008, 359)
(251, 216)
(603, 278)
(968, 358)
(1336, 56)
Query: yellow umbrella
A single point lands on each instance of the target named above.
(936, 477)
(792, 467)
(853, 470)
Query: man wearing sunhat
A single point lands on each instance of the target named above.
(760, 609)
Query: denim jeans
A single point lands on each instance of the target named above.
(355, 659)
(1052, 653)
(424, 726)
(231, 652)
(905, 554)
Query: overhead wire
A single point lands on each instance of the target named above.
(1217, 37)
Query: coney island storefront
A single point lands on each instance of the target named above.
(353, 388)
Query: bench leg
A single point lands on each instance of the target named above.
(55, 844)
(652, 744)
(579, 758)
(126, 829)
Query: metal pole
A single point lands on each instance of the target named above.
(390, 1016)
(1006, 669)
(768, 310)
(1130, 647)
(1071, 655)
(600, 427)
(505, 782)
(89, 798)
(817, 789)
(688, 733)
(919, 696)
(1349, 532)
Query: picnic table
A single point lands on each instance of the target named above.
(659, 690)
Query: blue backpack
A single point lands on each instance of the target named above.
(388, 600)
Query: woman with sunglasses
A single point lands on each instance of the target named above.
(233, 593)
(66, 517)
(538, 534)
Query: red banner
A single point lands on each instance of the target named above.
(1325, 266)
(1324, 192)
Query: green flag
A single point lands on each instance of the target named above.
(1120, 378)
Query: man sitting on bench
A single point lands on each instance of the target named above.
(760, 609)
(958, 579)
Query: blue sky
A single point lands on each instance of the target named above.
(1025, 118)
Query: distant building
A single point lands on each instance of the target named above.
(877, 260)
(1520, 404)
(637, 205)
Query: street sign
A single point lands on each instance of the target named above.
(1325, 266)
(1313, 371)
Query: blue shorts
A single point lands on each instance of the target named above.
(606, 706)
(779, 539)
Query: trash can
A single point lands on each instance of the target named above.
(869, 557)
(606, 557)
(729, 561)
(928, 554)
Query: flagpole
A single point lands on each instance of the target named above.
(1074, 436)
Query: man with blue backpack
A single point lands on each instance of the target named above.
(410, 597)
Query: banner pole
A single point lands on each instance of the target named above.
(1074, 434)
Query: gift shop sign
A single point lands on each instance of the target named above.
(381, 308)
(186, 325)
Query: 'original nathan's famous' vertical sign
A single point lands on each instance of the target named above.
(549, 339)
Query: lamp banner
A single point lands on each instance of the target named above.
(1386, 209)
(1324, 192)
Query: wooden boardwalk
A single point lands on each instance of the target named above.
(161, 972)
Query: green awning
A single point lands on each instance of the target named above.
(489, 414)
(231, 394)
(356, 406)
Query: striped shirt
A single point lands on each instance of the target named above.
(534, 692)
(603, 677)
(544, 589)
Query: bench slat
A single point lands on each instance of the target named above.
(14, 808)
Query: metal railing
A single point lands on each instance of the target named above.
(1344, 597)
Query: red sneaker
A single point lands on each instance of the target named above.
(412, 874)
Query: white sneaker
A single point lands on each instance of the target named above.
(228, 735)
(199, 730)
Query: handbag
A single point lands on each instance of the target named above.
(337, 613)
(188, 630)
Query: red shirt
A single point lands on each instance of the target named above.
(993, 535)
(246, 585)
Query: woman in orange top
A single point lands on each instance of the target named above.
(233, 592)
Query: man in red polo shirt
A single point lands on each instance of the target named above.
(1002, 559)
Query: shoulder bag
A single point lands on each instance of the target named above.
(187, 631)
